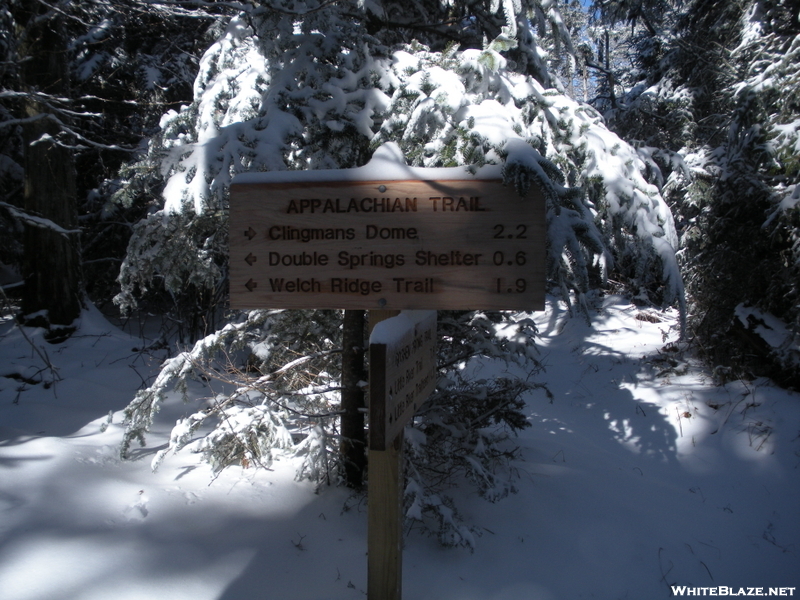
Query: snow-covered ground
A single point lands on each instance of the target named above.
(640, 474)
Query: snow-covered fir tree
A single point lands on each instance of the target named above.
(320, 85)
(713, 97)
(126, 62)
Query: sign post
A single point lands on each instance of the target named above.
(384, 504)
(402, 374)
(435, 242)
(385, 522)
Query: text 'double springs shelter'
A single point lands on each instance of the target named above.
(457, 245)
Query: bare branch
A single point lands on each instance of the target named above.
(55, 9)
(172, 5)
(14, 122)
(90, 142)
(35, 221)
(40, 351)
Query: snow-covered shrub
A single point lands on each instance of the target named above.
(716, 108)
(310, 87)
(295, 98)
(468, 108)
(290, 98)
(275, 371)
(753, 211)
(463, 435)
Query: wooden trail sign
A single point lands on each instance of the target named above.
(402, 372)
(408, 244)
(434, 242)
(402, 375)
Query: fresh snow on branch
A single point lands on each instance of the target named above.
(34, 221)
(293, 98)
(276, 93)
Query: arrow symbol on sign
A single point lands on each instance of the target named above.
(250, 285)
(250, 259)
(250, 233)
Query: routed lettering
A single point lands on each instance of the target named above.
(339, 205)
(370, 259)
(391, 233)
(365, 287)
(425, 258)
(307, 234)
(293, 286)
(451, 204)
(304, 259)
(413, 286)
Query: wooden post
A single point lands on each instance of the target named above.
(385, 523)
(385, 511)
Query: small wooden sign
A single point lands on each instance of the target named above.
(443, 243)
(460, 245)
(402, 372)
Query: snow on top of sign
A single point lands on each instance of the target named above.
(392, 330)
(387, 164)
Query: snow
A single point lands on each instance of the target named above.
(773, 331)
(639, 474)
(392, 330)
(767, 326)
(387, 164)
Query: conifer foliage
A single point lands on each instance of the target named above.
(299, 98)
(121, 65)
(320, 85)
(701, 116)
(714, 96)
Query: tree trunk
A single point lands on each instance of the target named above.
(51, 264)
(353, 444)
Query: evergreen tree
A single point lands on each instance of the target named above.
(713, 98)
(124, 63)
(318, 85)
